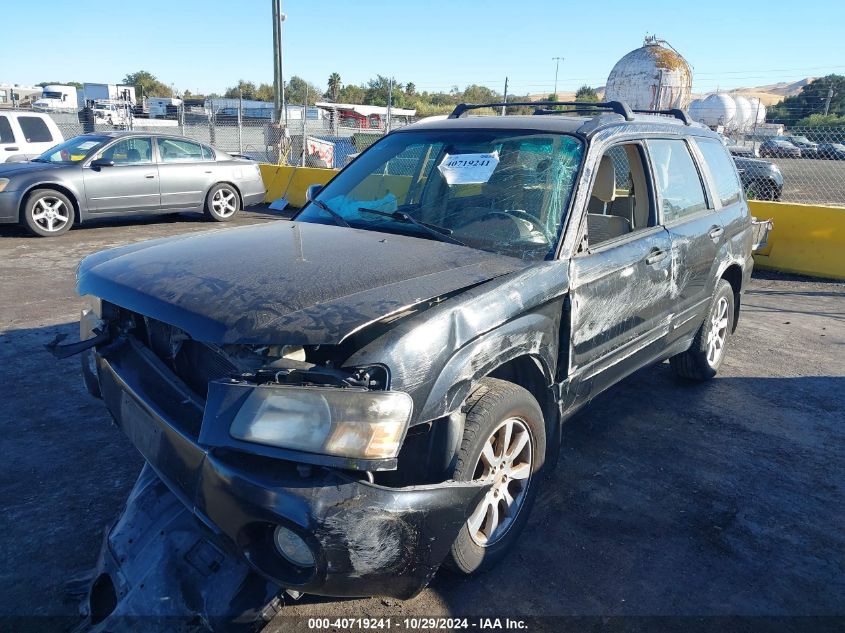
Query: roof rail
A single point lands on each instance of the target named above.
(619, 107)
(679, 114)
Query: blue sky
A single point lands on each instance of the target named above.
(208, 45)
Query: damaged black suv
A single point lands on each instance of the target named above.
(338, 404)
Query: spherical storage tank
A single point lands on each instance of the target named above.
(744, 113)
(715, 109)
(759, 111)
(732, 112)
(653, 77)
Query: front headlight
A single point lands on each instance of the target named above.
(332, 421)
(3, 184)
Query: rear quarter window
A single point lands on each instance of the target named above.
(35, 130)
(722, 169)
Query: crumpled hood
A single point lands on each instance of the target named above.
(283, 282)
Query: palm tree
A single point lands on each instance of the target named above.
(334, 86)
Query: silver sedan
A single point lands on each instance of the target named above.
(123, 174)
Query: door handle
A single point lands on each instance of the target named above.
(716, 231)
(655, 256)
(11, 149)
(150, 176)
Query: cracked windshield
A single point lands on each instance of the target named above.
(496, 191)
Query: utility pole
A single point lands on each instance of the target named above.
(505, 98)
(557, 61)
(304, 128)
(827, 101)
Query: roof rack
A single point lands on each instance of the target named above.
(619, 107)
(682, 115)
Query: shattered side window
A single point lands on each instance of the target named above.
(504, 191)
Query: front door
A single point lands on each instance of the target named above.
(620, 283)
(131, 185)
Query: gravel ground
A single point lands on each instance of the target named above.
(670, 499)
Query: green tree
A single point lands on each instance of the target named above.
(297, 89)
(334, 84)
(377, 89)
(264, 92)
(811, 100)
(146, 84)
(410, 89)
(75, 84)
(244, 89)
(586, 93)
(351, 94)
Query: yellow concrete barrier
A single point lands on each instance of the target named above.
(291, 182)
(806, 239)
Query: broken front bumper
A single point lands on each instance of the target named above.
(366, 539)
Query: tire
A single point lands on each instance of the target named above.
(490, 409)
(47, 213)
(222, 203)
(704, 357)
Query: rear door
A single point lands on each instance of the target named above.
(694, 227)
(186, 173)
(726, 190)
(35, 136)
(131, 185)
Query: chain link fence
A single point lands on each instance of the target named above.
(811, 161)
(802, 164)
(311, 137)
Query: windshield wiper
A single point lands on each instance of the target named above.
(441, 233)
(338, 219)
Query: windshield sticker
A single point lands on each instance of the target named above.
(87, 145)
(468, 169)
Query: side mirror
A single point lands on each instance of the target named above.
(102, 162)
(312, 192)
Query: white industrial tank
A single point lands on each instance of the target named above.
(759, 111)
(653, 77)
(717, 109)
(744, 113)
(694, 109)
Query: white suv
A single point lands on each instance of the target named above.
(25, 135)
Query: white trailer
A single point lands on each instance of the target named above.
(108, 92)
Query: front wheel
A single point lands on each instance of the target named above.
(222, 203)
(504, 445)
(48, 213)
(704, 357)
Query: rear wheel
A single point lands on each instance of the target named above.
(48, 213)
(504, 445)
(222, 203)
(704, 357)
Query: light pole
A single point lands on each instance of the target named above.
(282, 18)
(278, 74)
(557, 61)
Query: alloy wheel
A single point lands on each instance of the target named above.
(50, 214)
(506, 462)
(718, 333)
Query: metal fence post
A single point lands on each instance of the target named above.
(240, 122)
(304, 130)
(181, 113)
